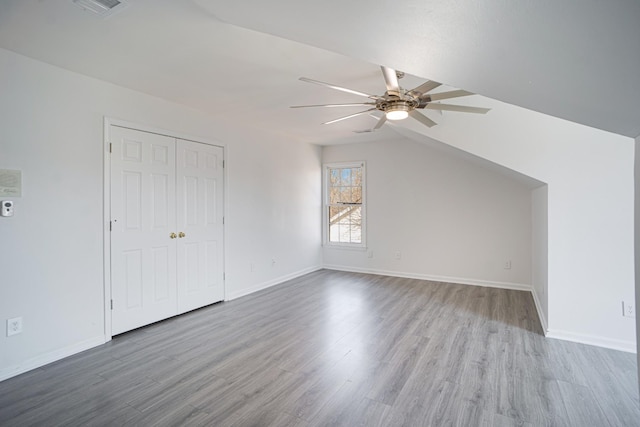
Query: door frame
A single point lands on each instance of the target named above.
(106, 218)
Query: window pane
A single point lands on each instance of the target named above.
(355, 225)
(345, 194)
(355, 216)
(338, 214)
(334, 233)
(346, 177)
(356, 177)
(356, 234)
(333, 212)
(345, 233)
(334, 195)
(334, 177)
(356, 195)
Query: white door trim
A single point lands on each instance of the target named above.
(108, 122)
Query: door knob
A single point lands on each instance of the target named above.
(181, 235)
(173, 235)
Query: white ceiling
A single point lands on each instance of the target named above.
(575, 59)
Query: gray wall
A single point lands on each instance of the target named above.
(637, 242)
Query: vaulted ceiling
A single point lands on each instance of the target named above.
(576, 59)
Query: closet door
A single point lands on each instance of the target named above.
(143, 220)
(200, 228)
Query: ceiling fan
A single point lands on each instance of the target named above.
(398, 103)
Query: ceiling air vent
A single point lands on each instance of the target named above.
(103, 8)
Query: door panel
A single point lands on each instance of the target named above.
(161, 203)
(132, 279)
(162, 283)
(200, 264)
(143, 214)
(212, 260)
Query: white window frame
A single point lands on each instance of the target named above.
(325, 206)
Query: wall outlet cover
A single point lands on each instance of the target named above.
(628, 309)
(14, 326)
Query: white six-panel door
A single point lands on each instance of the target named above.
(200, 209)
(166, 242)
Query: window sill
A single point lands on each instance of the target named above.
(345, 247)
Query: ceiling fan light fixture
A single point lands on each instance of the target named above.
(396, 103)
(397, 112)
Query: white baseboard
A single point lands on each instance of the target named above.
(541, 314)
(264, 285)
(53, 356)
(446, 279)
(45, 359)
(627, 346)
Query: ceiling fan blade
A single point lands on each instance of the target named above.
(424, 88)
(348, 117)
(343, 89)
(460, 108)
(390, 79)
(380, 122)
(357, 104)
(422, 118)
(451, 94)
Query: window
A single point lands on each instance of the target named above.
(344, 210)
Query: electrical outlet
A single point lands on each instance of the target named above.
(507, 265)
(398, 255)
(14, 326)
(273, 262)
(370, 254)
(628, 309)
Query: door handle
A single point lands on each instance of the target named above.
(173, 235)
(181, 235)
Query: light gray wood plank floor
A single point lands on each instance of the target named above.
(337, 349)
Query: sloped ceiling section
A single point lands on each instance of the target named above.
(178, 51)
(240, 60)
(576, 59)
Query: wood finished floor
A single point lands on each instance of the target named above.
(337, 349)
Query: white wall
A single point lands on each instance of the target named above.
(51, 251)
(451, 219)
(275, 212)
(590, 210)
(539, 252)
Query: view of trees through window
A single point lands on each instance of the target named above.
(345, 204)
